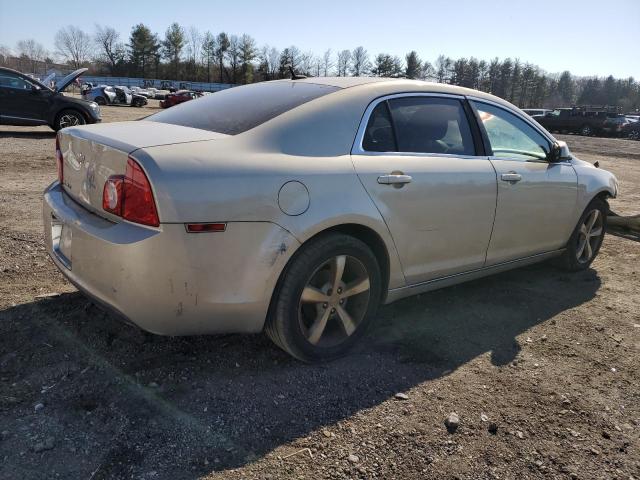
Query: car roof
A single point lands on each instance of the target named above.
(341, 82)
(388, 86)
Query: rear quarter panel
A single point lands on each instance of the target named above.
(222, 181)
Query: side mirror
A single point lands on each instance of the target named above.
(559, 152)
(35, 89)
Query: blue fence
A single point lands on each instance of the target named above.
(153, 82)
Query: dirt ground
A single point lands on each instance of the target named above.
(542, 368)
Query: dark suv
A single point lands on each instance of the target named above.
(25, 101)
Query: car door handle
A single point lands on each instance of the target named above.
(511, 177)
(394, 179)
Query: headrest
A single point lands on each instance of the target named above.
(432, 120)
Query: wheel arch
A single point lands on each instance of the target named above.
(365, 234)
(73, 108)
(372, 239)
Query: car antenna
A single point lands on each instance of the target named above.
(294, 75)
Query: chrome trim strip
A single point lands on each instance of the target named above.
(437, 283)
(509, 159)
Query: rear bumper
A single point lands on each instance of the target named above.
(165, 280)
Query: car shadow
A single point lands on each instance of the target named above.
(167, 404)
(27, 134)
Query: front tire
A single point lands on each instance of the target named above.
(100, 101)
(68, 118)
(586, 131)
(586, 239)
(326, 299)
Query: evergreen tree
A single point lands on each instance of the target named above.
(414, 65)
(142, 49)
(172, 45)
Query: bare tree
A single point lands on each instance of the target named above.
(269, 58)
(222, 45)
(317, 66)
(306, 64)
(74, 45)
(344, 60)
(233, 55)
(31, 50)
(208, 52)
(327, 63)
(360, 63)
(194, 39)
(428, 72)
(274, 58)
(110, 49)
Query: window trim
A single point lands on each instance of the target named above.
(485, 138)
(19, 76)
(357, 148)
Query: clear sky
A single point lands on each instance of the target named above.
(587, 37)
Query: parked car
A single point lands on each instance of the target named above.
(631, 130)
(573, 120)
(298, 206)
(180, 96)
(25, 101)
(158, 94)
(108, 95)
(143, 91)
(536, 112)
(614, 126)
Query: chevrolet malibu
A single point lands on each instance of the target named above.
(298, 206)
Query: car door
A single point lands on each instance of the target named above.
(536, 202)
(21, 102)
(417, 156)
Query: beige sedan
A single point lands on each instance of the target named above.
(298, 206)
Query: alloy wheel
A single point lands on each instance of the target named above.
(589, 236)
(69, 120)
(334, 301)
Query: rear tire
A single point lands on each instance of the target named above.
(68, 118)
(326, 298)
(100, 101)
(586, 130)
(587, 237)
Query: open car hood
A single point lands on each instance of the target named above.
(64, 83)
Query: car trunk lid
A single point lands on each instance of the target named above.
(91, 154)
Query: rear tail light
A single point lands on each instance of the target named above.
(59, 160)
(112, 195)
(130, 196)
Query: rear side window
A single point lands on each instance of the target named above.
(421, 125)
(379, 135)
(236, 110)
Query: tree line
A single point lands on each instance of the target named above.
(188, 54)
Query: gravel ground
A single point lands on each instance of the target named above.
(540, 368)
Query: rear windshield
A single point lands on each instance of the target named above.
(238, 109)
